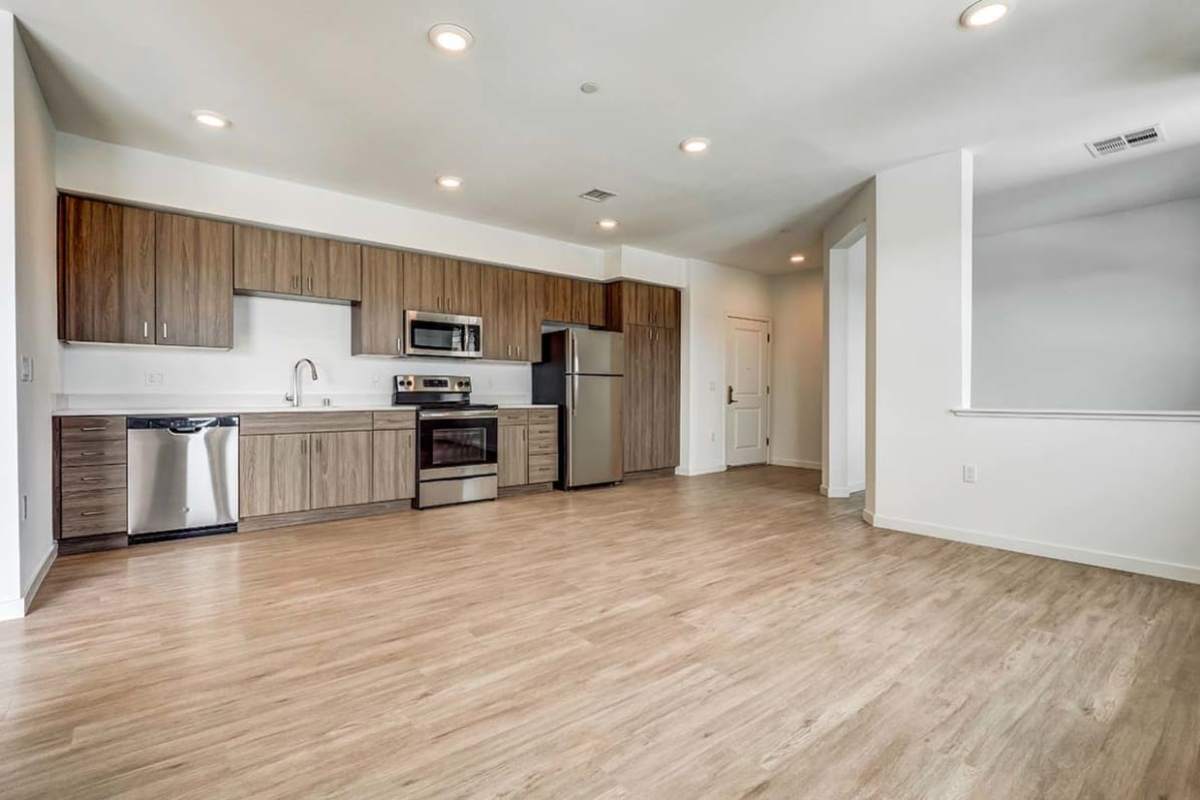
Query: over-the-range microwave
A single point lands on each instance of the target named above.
(427, 333)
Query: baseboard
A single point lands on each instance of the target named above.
(798, 463)
(40, 575)
(1078, 555)
(692, 472)
(869, 517)
(19, 606)
(837, 492)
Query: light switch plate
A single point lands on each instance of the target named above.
(970, 473)
(26, 375)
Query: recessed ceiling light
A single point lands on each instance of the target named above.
(694, 145)
(982, 13)
(608, 224)
(210, 119)
(797, 258)
(449, 37)
(449, 181)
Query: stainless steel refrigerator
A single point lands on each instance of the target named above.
(582, 372)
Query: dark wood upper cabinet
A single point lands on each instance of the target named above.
(266, 260)
(331, 269)
(377, 321)
(193, 281)
(535, 312)
(597, 315)
(462, 288)
(424, 282)
(581, 302)
(491, 290)
(518, 318)
(107, 280)
(506, 331)
(558, 298)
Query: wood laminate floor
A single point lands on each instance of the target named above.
(732, 636)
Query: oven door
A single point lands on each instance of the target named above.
(443, 335)
(457, 446)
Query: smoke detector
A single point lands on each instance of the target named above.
(597, 195)
(1126, 141)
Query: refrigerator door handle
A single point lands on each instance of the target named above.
(574, 385)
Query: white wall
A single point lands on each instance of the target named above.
(797, 354)
(1095, 313)
(11, 604)
(270, 334)
(856, 220)
(1118, 493)
(713, 292)
(97, 168)
(856, 366)
(36, 314)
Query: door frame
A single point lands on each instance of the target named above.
(770, 401)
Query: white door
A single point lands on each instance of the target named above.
(746, 407)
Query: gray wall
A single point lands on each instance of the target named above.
(1095, 313)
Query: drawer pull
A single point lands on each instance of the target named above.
(92, 428)
(91, 452)
(90, 513)
(90, 480)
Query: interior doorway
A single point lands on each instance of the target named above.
(747, 386)
(845, 469)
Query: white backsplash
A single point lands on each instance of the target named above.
(269, 336)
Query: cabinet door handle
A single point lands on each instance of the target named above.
(164, 330)
(90, 513)
(90, 480)
(399, 345)
(91, 452)
(145, 329)
(303, 446)
(91, 428)
(317, 446)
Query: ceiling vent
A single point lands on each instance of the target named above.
(1119, 144)
(597, 195)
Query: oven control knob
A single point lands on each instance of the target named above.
(460, 385)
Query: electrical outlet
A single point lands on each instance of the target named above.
(26, 369)
(970, 473)
(155, 379)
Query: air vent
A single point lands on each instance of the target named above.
(597, 195)
(1119, 144)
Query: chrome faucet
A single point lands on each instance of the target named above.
(295, 395)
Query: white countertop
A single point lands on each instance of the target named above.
(202, 409)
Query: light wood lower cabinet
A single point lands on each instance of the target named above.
(341, 469)
(394, 465)
(291, 482)
(528, 446)
(513, 455)
(294, 462)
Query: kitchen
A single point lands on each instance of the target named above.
(153, 282)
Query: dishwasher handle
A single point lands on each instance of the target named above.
(181, 426)
(191, 426)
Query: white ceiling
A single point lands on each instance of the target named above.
(803, 100)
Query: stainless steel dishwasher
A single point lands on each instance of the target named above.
(183, 476)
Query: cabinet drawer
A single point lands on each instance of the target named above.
(543, 468)
(549, 431)
(514, 416)
(92, 513)
(305, 422)
(542, 443)
(90, 453)
(88, 479)
(85, 429)
(543, 416)
(395, 420)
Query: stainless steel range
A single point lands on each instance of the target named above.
(456, 440)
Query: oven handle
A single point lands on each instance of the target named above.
(479, 414)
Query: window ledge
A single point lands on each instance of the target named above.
(1066, 413)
